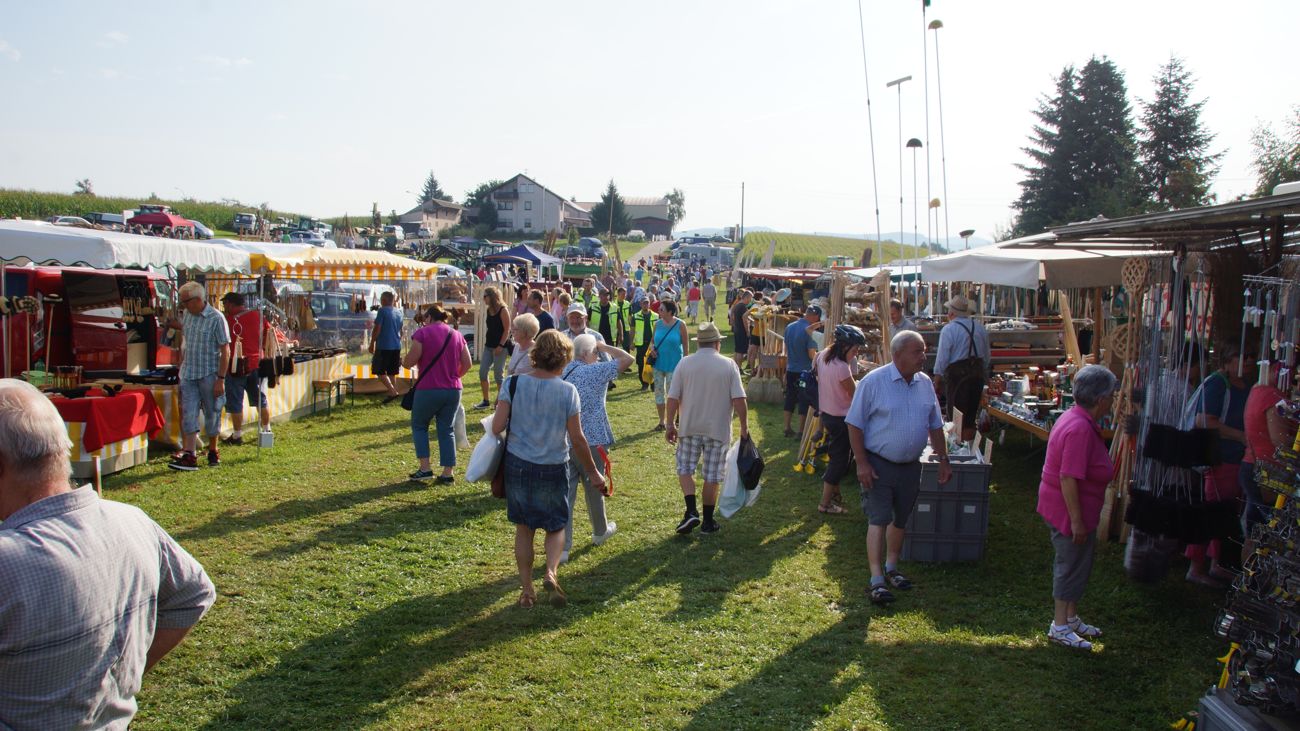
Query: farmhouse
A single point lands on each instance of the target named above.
(523, 204)
(435, 215)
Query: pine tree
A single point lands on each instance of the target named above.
(610, 208)
(1176, 163)
(432, 191)
(1083, 152)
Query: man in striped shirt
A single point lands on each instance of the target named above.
(205, 360)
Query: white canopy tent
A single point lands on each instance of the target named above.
(44, 243)
(1028, 261)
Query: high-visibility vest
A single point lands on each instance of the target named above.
(623, 312)
(586, 299)
(595, 318)
(639, 335)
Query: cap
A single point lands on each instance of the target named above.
(576, 307)
(814, 310)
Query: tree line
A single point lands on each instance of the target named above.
(1088, 158)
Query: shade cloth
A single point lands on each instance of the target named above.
(522, 252)
(111, 419)
(306, 261)
(44, 243)
(1026, 262)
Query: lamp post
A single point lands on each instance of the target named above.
(935, 25)
(902, 224)
(966, 234)
(915, 145)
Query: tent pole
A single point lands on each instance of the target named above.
(4, 276)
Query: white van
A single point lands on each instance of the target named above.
(717, 257)
(369, 291)
(396, 232)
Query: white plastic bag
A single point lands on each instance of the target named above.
(462, 439)
(487, 454)
(733, 495)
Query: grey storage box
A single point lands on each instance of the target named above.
(950, 522)
(1219, 711)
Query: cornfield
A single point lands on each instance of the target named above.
(31, 204)
(811, 250)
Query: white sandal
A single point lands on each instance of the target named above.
(1068, 638)
(1083, 629)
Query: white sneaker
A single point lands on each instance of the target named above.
(610, 529)
(1067, 637)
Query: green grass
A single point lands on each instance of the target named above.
(812, 250)
(351, 598)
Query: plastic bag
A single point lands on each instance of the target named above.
(487, 454)
(462, 439)
(749, 463)
(734, 495)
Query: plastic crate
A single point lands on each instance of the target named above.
(950, 522)
(1220, 712)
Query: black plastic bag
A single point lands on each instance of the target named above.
(749, 463)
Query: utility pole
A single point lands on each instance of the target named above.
(740, 239)
(902, 224)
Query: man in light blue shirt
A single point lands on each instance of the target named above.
(894, 411)
(962, 363)
(799, 353)
(205, 360)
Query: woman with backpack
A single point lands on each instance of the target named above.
(833, 368)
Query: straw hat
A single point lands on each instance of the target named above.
(959, 304)
(709, 333)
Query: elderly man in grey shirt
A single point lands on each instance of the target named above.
(92, 592)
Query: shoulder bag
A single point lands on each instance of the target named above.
(499, 477)
(408, 398)
(650, 358)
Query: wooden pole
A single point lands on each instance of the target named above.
(1067, 324)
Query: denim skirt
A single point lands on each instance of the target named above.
(537, 495)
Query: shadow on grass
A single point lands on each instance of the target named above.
(354, 672)
(288, 511)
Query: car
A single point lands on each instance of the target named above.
(109, 221)
(245, 223)
(396, 232)
(315, 238)
(423, 233)
(77, 221)
(719, 239)
(201, 231)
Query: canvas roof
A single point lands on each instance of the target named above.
(1028, 261)
(45, 243)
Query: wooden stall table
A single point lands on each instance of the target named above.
(109, 433)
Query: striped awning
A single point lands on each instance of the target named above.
(311, 262)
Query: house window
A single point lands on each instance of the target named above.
(505, 223)
(505, 205)
(528, 223)
(528, 205)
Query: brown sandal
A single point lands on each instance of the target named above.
(554, 594)
(527, 599)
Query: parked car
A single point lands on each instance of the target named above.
(396, 232)
(245, 223)
(591, 247)
(719, 239)
(110, 221)
(315, 238)
(77, 221)
(201, 231)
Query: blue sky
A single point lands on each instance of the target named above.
(326, 107)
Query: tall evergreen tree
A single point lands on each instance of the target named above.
(1175, 148)
(610, 208)
(432, 191)
(1083, 152)
(1276, 158)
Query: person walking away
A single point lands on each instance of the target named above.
(962, 363)
(544, 320)
(893, 410)
(1222, 407)
(93, 593)
(644, 323)
(443, 358)
(693, 302)
(592, 378)
(205, 358)
(543, 431)
(835, 387)
(1076, 471)
(740, 326)
(709, 293)
(523, 330)
(669, 347)
(386, 345)
(800, 349)
(623, 312)
(705, 392)
(248, 328)
(493, 356)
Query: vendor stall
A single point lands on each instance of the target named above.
(109, 430)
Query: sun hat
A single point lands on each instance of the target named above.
(959, 304)
(709, 333)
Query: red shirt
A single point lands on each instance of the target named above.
(1259, 443)
(244, 327)
(693, 294)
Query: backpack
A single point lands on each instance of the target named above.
(808, 391)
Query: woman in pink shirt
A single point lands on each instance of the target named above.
(1266, 430)
(1076, 471)
(835, 387)
(443, 357)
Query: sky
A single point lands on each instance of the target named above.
(325, 107)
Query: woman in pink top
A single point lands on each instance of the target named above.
(1266, 430)
(835, 387)
(1076, 471)
(443, 357)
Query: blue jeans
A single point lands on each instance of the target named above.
(435, 404)
(196, 394)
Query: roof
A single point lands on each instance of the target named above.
(645, 200)
(45, 243)
(1197, 228)
(434, 203)
(534, 182)
(1096, 262)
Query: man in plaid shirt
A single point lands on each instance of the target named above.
(205, 360)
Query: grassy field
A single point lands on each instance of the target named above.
(352, 598)
(811, 250)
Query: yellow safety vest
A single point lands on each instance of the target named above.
(624, 310)
(639, 319)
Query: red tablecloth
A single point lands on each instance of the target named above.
(112, 419)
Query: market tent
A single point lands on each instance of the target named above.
(1026, 262)
(45, 243)
(897, 272)
(306, 261)
(160, 219)
(522, 252)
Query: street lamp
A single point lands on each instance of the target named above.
(902, 225)
(935, 25)
(915, 145)
(966, 235)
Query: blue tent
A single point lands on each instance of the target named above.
(522, 252)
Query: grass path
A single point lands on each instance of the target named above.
(351, 598)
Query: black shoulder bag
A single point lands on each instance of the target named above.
(408, 398)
